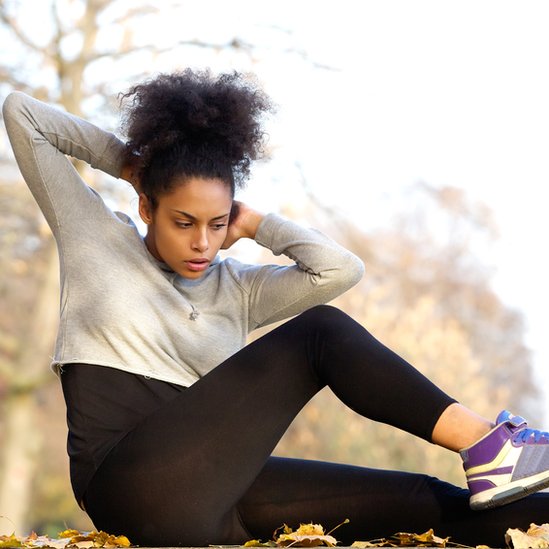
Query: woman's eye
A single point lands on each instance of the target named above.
(183, 225)
(219, 226)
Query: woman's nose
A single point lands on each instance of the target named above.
(200, 243)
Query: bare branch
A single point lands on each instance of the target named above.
(14, 27)
(7, 77)
(322, 206)
(306, 57)
(133, 13)
(55, 43)
(59, 30)
(234, 44)
(299, 52)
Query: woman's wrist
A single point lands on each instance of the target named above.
(129, 174)
(253, 220)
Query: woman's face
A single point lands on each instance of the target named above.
(189, 225)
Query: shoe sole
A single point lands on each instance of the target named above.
(513, 493)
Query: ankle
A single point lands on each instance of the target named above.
(458, 428)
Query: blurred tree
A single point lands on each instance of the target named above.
(427, 294)
(76, 53)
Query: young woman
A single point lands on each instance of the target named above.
(172, 419)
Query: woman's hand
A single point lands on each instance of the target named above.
(130, 172)
(243, 223)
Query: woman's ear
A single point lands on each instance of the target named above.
(145, 210)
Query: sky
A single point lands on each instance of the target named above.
(449, 93)
(374, 96)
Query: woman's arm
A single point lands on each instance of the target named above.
(323, 270)
(41, 136)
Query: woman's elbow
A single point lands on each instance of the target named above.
(12, 103)
(345, 276)
(14, 108)
(354, 270)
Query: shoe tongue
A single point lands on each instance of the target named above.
(504, 416)
(507, 417)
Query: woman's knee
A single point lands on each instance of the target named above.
(324, 315)
(331, 323)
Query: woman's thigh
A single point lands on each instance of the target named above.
(183, 469)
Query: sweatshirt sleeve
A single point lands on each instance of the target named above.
(323, 270)
(41, 136)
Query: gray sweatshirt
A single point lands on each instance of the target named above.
(122, 308)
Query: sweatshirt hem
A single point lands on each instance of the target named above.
(57, 367)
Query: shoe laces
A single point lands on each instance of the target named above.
(525, 434)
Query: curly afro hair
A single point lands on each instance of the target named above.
(192, 124)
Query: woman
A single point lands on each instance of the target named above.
(172, 419)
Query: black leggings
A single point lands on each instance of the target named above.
(198, 471)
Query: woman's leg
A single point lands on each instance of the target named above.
(176, 479)
(459, 427)
(378, 503)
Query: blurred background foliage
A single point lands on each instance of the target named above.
(426, 294)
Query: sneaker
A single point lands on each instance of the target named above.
(507, 464)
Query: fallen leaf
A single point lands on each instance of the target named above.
(68, 533)
(295, 540)
(405, 539)
(97, 539)
(258, 543)
(45, 541)
(541, 531)
(536, 537)
(307, 535)
(427, 539)
(10, 541)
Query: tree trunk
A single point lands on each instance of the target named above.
(22, 440)
(22, 444)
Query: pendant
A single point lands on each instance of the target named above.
(194, 314)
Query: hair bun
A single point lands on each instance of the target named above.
(198, 113)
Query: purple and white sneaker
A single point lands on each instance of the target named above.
(507, 464)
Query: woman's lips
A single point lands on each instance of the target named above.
(197, 264)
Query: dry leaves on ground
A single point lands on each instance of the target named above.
(66, 539)
(307, 535)
(312, 535)
(404, 539)
(536, 537)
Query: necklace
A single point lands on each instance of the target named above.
(194, 313)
